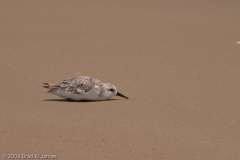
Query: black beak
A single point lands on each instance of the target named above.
(121, 95)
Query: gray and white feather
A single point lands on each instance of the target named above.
(83, 88)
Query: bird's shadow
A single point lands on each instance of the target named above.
(81, 101)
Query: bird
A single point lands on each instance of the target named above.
(83, 88)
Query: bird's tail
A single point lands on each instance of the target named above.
(47, 85)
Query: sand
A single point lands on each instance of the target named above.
(178, 61)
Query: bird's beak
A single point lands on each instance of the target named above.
(121, 95)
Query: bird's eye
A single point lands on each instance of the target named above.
(111, 90)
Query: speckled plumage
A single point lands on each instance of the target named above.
(83, 88)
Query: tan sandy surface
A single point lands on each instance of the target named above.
(178, 61)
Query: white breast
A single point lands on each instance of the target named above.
(77, 97)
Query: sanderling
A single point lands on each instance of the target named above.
(83, 88)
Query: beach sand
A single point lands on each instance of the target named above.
(177, 61)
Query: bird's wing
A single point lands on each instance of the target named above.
(77, 85)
